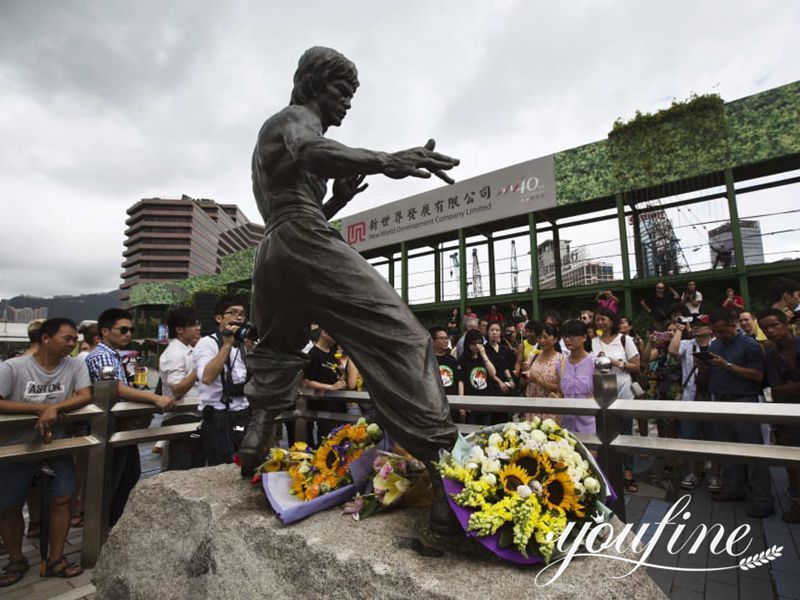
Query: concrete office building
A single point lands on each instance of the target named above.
(577, 268)
(721, 238)
(173, 239)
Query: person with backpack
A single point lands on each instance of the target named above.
(221, 371)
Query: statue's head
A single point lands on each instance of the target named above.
(317, 68)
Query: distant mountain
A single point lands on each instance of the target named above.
(77, 308)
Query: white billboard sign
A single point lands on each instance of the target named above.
(515, 190)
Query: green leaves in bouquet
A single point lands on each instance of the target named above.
(506, 538)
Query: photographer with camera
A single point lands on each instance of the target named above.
(221, 371)
(692, 298)
(693, 353)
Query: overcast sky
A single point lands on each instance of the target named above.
(104, 103)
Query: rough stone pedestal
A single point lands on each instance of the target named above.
(206, 533)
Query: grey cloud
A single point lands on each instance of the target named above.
(104, 103)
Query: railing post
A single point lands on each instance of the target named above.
(101, 460)
(605, 392)
(300, 422)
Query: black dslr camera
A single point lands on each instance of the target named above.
(246, 331)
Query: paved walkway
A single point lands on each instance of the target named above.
(658, 490)
(33, 587)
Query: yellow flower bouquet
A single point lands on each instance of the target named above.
(516, 486)
(318, 478)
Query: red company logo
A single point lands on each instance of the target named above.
(356, 232)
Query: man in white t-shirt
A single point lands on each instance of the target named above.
(47, 384)
(179, 381)
(222, 372)
(692, 298)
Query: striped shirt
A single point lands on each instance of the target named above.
(103, 356)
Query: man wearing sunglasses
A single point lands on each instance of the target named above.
(115, 326)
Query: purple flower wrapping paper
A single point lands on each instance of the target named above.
(290, 508)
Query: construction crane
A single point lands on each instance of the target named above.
(477, 281)
(662, 251)
(514, 268)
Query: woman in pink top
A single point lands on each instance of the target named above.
(576, 375)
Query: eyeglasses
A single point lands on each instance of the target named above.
(123, 330)
(235, 313)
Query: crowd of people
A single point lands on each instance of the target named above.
(693, 349)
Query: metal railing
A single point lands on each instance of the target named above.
(102, 415)
(609, 445)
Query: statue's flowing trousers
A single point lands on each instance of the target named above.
(305, 272)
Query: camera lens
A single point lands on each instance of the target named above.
(247, 331)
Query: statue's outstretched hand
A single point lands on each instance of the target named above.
(345, 188)
(420, 162)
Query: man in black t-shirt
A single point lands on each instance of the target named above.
(324, 373)
(448, 366)
(782, 369)
(659, 303)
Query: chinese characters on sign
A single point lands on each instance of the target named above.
(511, 191)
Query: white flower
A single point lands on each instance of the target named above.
(535, 421)
(495, 439)
(373, 429)
(523, 491)
(476, 454)
(536, 486)
(492, 452)
(489, 478)
(524, 426)
(592, 485)
(472, 466)
(538, 436)
(490, 466)
(578, 488)
(549, 426)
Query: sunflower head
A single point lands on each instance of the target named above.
(558, 492)
(512, 476)
(326, 458)
(528, 460)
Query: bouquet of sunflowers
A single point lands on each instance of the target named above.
(516, 486)
(317, 472)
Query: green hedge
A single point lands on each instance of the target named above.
(689, 138)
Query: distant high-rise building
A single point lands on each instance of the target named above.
(24, 315)
(174, 239)
(661, 251)
(720, 240)
(577, 268)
